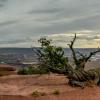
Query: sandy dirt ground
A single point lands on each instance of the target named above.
(15, 87)
(21, 87)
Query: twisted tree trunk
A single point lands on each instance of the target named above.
(78, 76)
(82, 59)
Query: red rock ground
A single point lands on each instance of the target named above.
(14, 87)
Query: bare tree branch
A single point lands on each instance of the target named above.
(73, 51)
(91, 54)
(82, 59)
(82, 55)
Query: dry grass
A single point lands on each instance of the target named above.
(56, 92)
(37, 93)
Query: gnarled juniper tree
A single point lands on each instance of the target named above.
(78, 76)
(51, 58)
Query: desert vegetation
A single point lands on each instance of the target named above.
(56, 92)
(37, 93)
(52, 59)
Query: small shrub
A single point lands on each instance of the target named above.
(90, 83)
(37, 93)
(32, 70)
(22, 71)
(56, 92)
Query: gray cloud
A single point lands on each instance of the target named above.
(15, 41)
(33, 18)
(9, 22)
(2, 2)
(45, 11)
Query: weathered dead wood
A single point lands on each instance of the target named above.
(81, 59)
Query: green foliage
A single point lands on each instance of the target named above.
(51, 57)
(22, 71)
(31, 70)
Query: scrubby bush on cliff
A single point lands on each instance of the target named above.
(31, 70)
(22, 71)
(51, 58)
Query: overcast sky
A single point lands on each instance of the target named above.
(23, 22)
